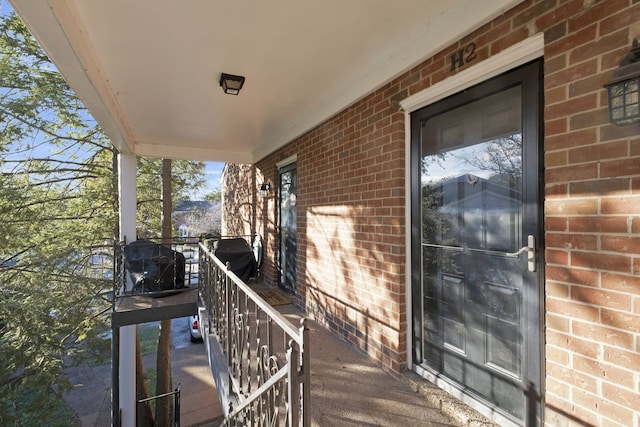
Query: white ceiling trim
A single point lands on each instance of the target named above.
(41, 17)
(192, 153)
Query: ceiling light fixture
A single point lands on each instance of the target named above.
(231, 84)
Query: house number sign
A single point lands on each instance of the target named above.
(463, 56)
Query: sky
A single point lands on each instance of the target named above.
(212, 173)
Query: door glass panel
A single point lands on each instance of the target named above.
(288, 227)
(471, 215)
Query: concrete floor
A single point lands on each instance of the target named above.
(347, 387)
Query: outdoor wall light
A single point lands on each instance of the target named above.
(624, 89)
(264, 189)
(231, 84)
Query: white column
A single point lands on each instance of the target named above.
(127, 377)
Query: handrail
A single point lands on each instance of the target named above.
(256, 394)
(175, 419)
(282, 322)
(260, 360)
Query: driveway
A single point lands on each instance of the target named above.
(91, 400)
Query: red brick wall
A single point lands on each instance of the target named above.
(244, 213)
(351, 224)
(592, 204)
(351, 247)
(238, 196)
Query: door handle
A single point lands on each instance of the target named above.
(530, 249)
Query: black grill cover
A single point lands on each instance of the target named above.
(240, 255)
(153, 267)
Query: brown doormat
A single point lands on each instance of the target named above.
(273, 297)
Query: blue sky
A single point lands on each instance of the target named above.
(212, 173)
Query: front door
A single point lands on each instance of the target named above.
(287, 196)
(476, 243)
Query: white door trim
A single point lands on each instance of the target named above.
(287, 161)
(519, 54)
(510, 58)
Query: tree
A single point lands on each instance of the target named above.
(187, 176)
(206, 222)
(213, 196)
(163, 359)
(500, 159)
(57, 210)
(58, 216)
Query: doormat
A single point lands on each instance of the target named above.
(273, 298)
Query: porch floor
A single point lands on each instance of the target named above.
(349, 389)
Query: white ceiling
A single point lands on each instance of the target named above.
(149, 69)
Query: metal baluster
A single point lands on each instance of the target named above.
(247, 332)
(228, 326)
(222, 305)
(293, 355)
(305, 360)
(238, 348)
(269, 334)
(258, 376)
(209, 286)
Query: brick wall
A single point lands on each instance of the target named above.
(351, 230)
(351, 224)
(238, 196)
(592, 204)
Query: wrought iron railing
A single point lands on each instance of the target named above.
(266, 376)
(174, 420)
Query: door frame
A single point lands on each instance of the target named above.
(519, 54)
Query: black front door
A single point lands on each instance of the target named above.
(287, 197)
(476, 242)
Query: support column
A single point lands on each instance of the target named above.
(127, 349)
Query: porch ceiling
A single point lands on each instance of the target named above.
(149, 69)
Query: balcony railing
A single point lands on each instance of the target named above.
(174, 395)
(260, 360)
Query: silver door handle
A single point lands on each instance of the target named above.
(518, 253)
(531, 253)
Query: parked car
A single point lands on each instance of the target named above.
(194, 328)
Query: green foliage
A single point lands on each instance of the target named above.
(58, 224)
(186, 177)
(29, 404)
(56, 209)
(214, 196)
